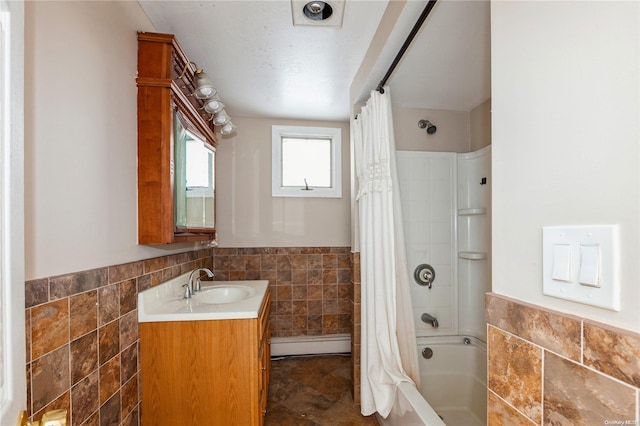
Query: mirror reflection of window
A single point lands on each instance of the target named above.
(199, 176)
(197, 173)
(194, 179)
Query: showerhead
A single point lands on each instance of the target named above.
(431, 128)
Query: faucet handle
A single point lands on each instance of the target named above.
(196, 285)
(187, 291)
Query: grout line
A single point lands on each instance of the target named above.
(542, 367)
(582, 342)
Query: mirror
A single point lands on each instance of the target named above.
(194, 178)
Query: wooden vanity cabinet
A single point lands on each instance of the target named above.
(162, 98)
(206, 372)
(264, 360)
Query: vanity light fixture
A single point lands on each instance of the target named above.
(203, 86)
(228, 128)
(211, 103)
(221, 118)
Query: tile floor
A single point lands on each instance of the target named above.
(313, 391)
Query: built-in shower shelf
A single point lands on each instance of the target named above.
(471, 212)
(472, 255)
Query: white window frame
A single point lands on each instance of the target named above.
(334, 134)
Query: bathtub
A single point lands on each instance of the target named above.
(453, 383)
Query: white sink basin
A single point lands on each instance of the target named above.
(218, 300)
(224, 294)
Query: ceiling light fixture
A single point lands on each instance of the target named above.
(317, 10)
(328, 13)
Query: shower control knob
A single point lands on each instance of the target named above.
(424, 274)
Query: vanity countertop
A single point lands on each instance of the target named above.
(218, 300)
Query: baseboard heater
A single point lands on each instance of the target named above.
(305, 345)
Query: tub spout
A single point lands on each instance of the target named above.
(430, 319)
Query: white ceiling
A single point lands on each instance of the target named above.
(263, 66)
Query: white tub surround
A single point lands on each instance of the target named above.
(474, 240)
(410, 408)
(454, 378)
(428, 189)
(446, 206)
(454, 385)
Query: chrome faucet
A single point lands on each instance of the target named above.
(190, 286)
(430, 319)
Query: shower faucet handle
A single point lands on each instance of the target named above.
(424, 274)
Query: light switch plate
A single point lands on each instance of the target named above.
(590, 262)
(601, 286)
(561, 262)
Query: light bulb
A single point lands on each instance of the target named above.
(228, 128)
(221, 118)
(203, 86)
(315, 6)
(213, 105)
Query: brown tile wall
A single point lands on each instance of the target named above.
(82, 328)
(310, 286)
(551, 368)
(82, 338)
(355, 325)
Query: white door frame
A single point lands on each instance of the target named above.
(12, 321)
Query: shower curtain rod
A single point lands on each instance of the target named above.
(406, 44)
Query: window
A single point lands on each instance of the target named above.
(306, 162)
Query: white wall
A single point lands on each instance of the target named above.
(480, 126)
(81, 145)
(81, 136)
(566, 121)
(247, 214)
(452, 134)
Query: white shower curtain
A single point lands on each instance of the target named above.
(388, 346)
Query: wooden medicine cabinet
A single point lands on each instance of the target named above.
(176, 148)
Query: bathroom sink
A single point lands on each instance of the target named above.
(218, 300)
(224, 294)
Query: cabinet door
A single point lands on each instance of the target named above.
(198, 372)
(176, 149)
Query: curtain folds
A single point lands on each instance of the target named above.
(388, 346)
